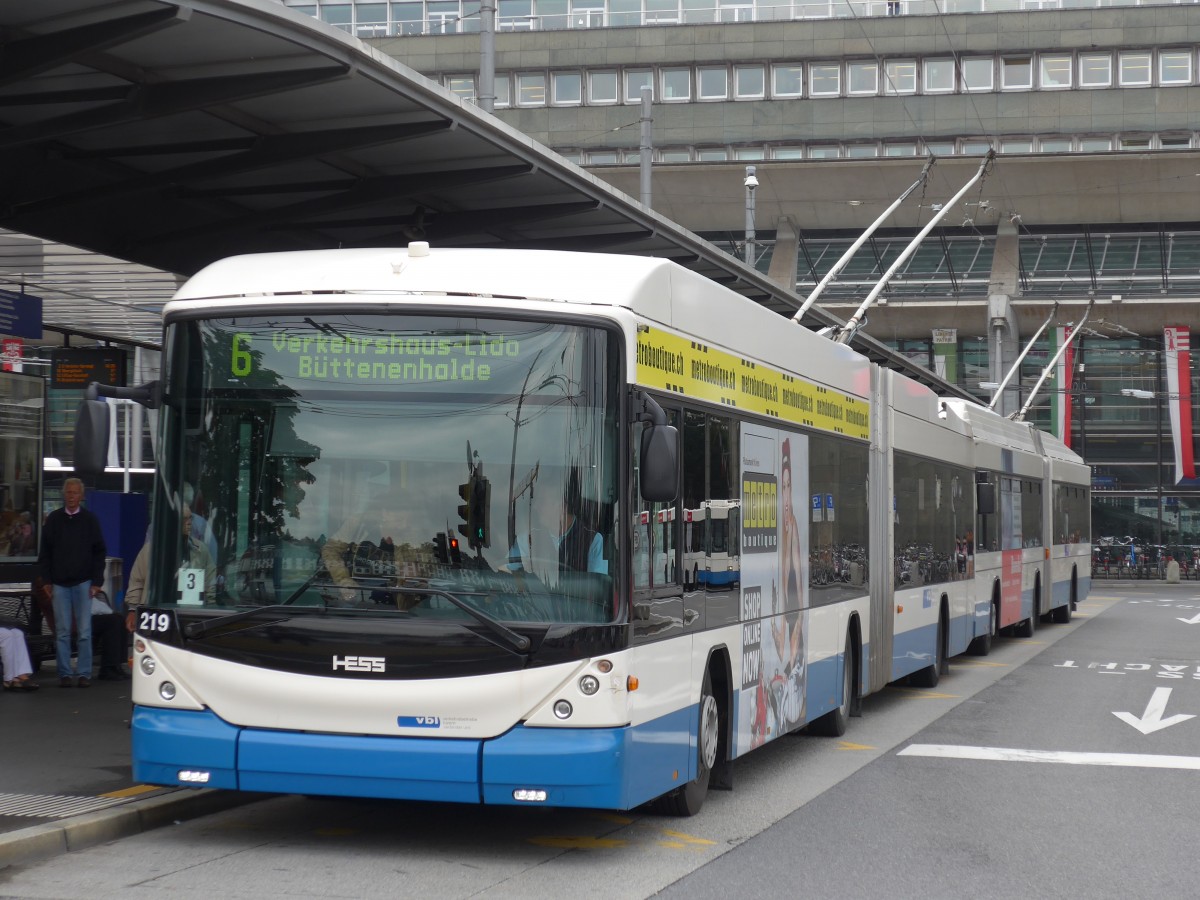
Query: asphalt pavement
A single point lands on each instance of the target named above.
(66, 780)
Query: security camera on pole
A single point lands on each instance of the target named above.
(751, 183)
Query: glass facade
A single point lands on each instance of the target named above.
(1137, 499)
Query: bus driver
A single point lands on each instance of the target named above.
(366, 546)
(557, 523)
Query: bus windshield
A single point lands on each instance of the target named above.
(425, 466)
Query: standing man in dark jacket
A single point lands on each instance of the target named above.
(72, 565)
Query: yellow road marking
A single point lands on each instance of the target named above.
(979, 664)
(922, 694)
(687, 838)
(615, 819)
(847, 745)
(577, 842)
(134, 791)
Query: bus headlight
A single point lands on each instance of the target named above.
(589, 684)
(166, 690)
(148, 665)
(563, 709)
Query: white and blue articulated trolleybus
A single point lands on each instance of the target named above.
(447, 491)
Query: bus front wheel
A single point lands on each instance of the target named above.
(687, 800)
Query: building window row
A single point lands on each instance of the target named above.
(966, 146)
(849, 78)
(399, 18)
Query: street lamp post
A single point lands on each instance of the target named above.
(751, 183)
(487, 56)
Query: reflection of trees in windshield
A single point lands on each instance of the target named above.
(259, 431)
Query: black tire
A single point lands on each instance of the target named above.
(833, 723)
(1028, 627)
(1062, 614)
(982, 645)
(1046, 617)
(929, 676)
(687, 800)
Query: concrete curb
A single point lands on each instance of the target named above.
(89, 829)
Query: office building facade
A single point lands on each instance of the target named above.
(1091, 112)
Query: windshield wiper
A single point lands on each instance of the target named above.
(199, 629)
(517, 642)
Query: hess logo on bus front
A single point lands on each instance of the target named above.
(360, 663)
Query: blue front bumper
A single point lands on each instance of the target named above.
(609, 768)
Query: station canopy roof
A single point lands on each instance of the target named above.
(167, 135)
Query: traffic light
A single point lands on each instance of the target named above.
(478, 494)
(439, 548)
(481, 504)
(455, 553)
(464, 510)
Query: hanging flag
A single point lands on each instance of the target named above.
(945, 353)
(1177, 344)
(1060, 396)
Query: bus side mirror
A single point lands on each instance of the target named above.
(91, 437)
(985, 498)
(659, 482)
(660, 463)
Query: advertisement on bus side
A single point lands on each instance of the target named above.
(775, 580)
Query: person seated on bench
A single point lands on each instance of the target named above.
(14, 657)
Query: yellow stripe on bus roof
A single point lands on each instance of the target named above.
(678, 365)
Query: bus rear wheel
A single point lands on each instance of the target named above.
(929, 676)
(1062, 614)
(833, 723)
(687, 800)
(982, 645)
(1026, 628)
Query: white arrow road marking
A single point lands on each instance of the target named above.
(1068, 757)
(1152, 719)
(1194, 620)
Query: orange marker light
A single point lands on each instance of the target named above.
(631, 683)
(899, 608)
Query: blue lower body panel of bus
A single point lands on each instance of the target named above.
(610, 768)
